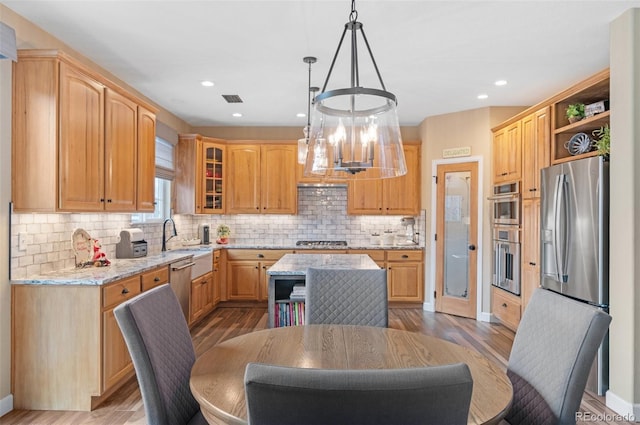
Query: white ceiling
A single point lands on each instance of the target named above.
(435, 56)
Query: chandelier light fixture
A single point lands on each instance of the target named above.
(303, 143)
(355, 131)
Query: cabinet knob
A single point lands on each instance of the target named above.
(257, 267)
(109, 201)
(472, 247)
(504, 174)
(532, 264)
(533, 189)
(125, 291)
(405, 256)
(101, 199)
(258, 208)
(260, 255)
(156, 279)
(504, 305)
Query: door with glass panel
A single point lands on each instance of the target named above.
(456, 238)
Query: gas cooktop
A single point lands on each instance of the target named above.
(321, 243)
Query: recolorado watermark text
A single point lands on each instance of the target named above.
(603, 417)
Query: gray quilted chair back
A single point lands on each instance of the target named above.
(553, 350)
(346, 297)
(278, 395)
(160, 345)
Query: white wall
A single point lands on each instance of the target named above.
(468, 128)
(624, 333)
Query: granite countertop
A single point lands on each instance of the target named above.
(293, 246)
(120, 268)
(297, 264)
(123, 268)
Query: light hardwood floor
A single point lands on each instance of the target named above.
(125, 407)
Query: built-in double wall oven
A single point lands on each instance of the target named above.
(505, 206)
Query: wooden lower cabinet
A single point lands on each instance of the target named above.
(405, 275)
(247, 278)
(405, 272)
(506, 307)
(217, 276)
(67, 350)
(201, 297)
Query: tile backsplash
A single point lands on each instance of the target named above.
(322, 215)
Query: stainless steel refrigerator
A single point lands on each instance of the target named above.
(574, 241)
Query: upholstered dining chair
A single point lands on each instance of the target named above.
(552, 353)
(346, 297)
(278, 395)
(160, 345)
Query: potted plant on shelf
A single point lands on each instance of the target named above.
(575, 112)
(602, 144)
(223, 233)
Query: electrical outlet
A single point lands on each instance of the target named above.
(22, 241)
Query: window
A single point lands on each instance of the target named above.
(163, 183)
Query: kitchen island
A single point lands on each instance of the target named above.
(291, 270)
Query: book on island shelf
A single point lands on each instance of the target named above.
(298, 293)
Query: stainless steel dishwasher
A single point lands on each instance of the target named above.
(180, 282)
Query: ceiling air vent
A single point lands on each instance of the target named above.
(232, 98)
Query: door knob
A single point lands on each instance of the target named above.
(472, 247)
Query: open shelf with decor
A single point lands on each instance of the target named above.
(567, 137)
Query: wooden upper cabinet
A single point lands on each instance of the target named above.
(402, 194)
(75, 138)
(507, 153)
(121, 152)
(200, 175)
(146, 156)
(243, 179)
(536, 141)
(81, 145)
(279, 193)
(393, 196)
(261, 178)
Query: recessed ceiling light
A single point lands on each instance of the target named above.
(301, 115)
(237, 114)
(207, 83)
(483, 96)
(501, 83)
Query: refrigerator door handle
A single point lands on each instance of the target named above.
(562, 228)
(556, 227)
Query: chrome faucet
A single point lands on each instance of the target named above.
(175, 233)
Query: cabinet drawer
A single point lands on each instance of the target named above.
(154, 278)
(216, 255)
(506, 307)
(404, 255)
(120, 291)
(256, 254)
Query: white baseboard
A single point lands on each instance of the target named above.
(428, 307)
(486, 317)
(6, 405)
(627, 411)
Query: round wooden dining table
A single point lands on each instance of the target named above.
(217, 377)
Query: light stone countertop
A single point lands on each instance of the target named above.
(297, 264)
(123, 268)
(119, 269)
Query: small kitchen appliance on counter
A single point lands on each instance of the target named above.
(204, 233)
(131, 244)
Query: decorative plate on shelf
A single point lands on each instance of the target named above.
(578, 144)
